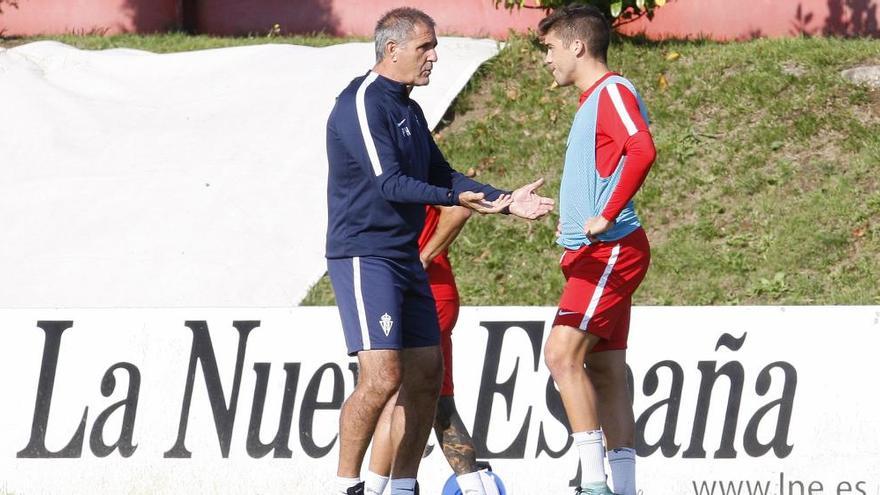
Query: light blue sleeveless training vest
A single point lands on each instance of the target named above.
(583, 193)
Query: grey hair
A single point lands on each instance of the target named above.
(398, 25)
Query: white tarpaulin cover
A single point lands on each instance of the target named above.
(131, 179)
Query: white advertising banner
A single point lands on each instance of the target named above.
(728, 400)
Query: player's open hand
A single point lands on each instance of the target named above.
(477, 202)
(529, 205)
(597, 225)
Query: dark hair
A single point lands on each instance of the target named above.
(397, 25)
(583, 22)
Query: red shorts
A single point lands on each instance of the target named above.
(599, 283)
(447, 313)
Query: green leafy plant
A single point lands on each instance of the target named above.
(618, 11)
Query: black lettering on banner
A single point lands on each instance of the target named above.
(310, 404)
(557, 410)
(36, 447)
(779, 443)
(489, 387)
(709, 375)
(129, 404)
(224, 416)
(280, 444)
(672, 403)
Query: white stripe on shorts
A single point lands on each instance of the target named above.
(359, 302)
(600, 287)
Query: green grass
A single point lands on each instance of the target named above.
(765, 190)
(175, 42)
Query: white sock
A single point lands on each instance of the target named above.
(592, 454)
(623, 470)
(470, 484)
(403, 486)
(488, 480)
(374, 484)
(343, 484)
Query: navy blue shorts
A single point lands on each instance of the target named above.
(384, 303)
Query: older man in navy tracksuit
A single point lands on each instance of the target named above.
(383, 168)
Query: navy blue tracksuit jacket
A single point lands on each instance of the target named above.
(383, 168)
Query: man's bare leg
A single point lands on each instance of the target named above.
(458, 448)
(414, 411)
(565, 352)
(381, 452)
(607, 371)
(453, 437)
(379, 378)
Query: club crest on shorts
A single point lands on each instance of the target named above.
(386, 322)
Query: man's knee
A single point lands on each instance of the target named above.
(561, 359)
(380, 376)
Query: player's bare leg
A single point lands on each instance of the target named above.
(453, 437)
(607, 370)
(458, 448)
(414, 411)
(565, 352)
(379, 378)
(381, 452)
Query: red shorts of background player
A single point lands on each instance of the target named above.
(599, 283)
(447, 313)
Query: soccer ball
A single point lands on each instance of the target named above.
(451, 486)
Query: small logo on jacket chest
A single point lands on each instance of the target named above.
(403, 129)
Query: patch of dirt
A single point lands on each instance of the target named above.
(792, 69)
(11, 42)
(872, 109)
(480, 108)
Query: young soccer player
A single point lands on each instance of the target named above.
(608, 155)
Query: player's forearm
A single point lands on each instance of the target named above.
(449, 225)
(640, 155)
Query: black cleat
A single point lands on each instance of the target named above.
(356, 489)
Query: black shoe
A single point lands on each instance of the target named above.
(356, 489)
(481, 465)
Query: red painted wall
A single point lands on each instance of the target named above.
(721, 19)
(725, 19)
(100, 16)
(356, 17)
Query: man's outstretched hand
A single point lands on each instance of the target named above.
(526, 204)
(477, 202)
